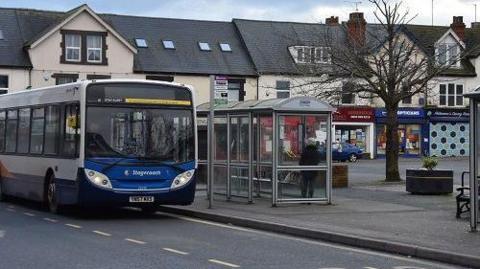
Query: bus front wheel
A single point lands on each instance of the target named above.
(52, 202)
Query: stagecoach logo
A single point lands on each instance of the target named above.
(142, 173)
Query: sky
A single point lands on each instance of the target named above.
(278, 10)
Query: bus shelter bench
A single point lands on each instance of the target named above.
(463, 197)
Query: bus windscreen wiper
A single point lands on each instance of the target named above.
(108, 167)
(157, 161)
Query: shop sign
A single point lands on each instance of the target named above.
(220, 88)
(403, 112)
(354, 114)
(448, 114)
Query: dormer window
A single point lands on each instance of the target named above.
(311, 55)
(448, 54)
(82, 47)
(73, 48)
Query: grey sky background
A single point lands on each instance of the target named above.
(279, 10)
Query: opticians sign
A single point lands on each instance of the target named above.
(403, 112)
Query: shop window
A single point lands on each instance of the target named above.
(451, 94)
(283, 89)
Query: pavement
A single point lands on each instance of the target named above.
(370, 214)
(126, 238)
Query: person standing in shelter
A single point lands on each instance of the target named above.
(310, 156)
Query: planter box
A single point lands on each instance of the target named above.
(339, 175)
(422, 181)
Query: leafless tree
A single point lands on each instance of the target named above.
(384, 65)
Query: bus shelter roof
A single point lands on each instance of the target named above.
(475, 94)
(295, 104)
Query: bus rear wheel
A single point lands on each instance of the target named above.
(51, 196)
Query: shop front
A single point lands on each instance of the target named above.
(448, 132)
(355, 125)
(412, 132)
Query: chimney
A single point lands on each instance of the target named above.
(476, 25)
(356, 27)
(333, 20)
(458, 27)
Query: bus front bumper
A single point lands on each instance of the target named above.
(90, 195)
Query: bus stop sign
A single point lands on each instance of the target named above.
(220, 88)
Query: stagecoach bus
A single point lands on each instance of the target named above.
(99, 143)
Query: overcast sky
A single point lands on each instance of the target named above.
(290, 10)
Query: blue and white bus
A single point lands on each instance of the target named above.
(100, 143)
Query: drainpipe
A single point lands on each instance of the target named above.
(258, 90)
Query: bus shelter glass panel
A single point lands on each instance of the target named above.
(220, 155)
(302, 158)
(239, 155)
(302, 184)
(263, 175)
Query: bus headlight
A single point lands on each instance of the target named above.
(182, 179)
(98, 178)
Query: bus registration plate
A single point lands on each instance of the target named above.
(141, 199)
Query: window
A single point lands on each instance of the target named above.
(2, 131)
(348, 97)
(52, 128)
(168, 44)
(448, 54)
(406, 100)
(283, 89)
(64, 78)
(23, 130)
(225, 47)
(204, 46)
(3, 82)
(160, 78)
(73, 47)
(94, 48)
(92, 77)
(141, 43)
(36, 135)
(71, 130)
(451, 94)
(306, 54)
(11, 133)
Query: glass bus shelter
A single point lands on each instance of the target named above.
(275, 148)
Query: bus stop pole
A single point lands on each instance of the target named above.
(210, 131)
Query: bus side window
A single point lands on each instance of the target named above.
(37, 130)
(52, 129)
(23, 130)
(2, 131)
(11, 133)
(71, 130)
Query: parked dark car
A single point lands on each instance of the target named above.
(346, 152)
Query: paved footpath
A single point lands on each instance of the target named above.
(381, 217)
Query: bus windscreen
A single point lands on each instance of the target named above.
(135, 93)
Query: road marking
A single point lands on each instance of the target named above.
(175, 251)
(11, 210)
(135, 241)
(73, 226)
(50, 220)
(29, 214)
(2, 234)
(102, 233)
(224, 263)
(311, 241)
(11, 206)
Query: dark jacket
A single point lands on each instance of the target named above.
(310, 156)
